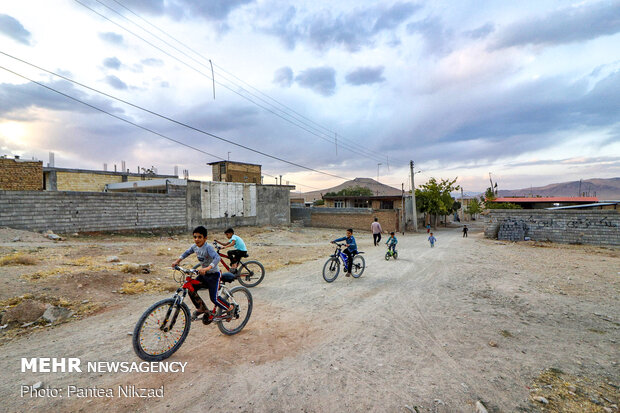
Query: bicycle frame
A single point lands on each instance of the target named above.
(339, 254)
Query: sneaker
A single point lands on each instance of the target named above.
(348, 274)
(207, 318)
(196, 314)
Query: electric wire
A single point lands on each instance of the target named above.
(169, 119)
(358, 151)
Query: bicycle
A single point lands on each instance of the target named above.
(331, 269)
(164, 326)
(249, 273)
(391, 253)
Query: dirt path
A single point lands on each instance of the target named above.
(409, 334)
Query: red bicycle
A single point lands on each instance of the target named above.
(249, 273)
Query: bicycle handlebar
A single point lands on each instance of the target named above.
(186, 270)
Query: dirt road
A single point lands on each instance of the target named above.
(437, 330)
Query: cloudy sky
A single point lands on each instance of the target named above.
(528, 90)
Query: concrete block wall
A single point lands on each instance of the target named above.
(593, 227)
(66, 212)
(343, 218)
(19, 175)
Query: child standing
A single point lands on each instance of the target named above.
(239, 252)
(208, 275)
(432, 240)
(391, 243)
(465, 229)
(351, 249)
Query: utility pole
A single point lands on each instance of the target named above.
(379, 164)
(579, 194)
(415, 212)
(462, 209)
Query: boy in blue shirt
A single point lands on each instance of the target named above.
(239, 252)
(391, 242)
(351, 249)
(208, 275)
(432, 240)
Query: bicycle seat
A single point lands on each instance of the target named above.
(359, 252)
(228, 277)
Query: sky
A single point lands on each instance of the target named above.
(528, 91)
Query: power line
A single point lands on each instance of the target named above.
(163, 117)
(358, 151)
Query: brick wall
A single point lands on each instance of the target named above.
(67, 212)
(341, 218)
(18, 175)
(80, 181)
(595, 227)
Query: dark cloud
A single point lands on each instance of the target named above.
(112, 63)
(12, 28)
(16, 99)
(437, 38)
(481, 32)
(352, 30)
(115, 82)
(153, 62)
(572, 24)
(366, 76)
(112, 38)
(283, 76)
(321, 80)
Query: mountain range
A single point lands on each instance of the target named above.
(603, 189)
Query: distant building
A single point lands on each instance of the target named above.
(66, 179)
(20, 175)
(228, 171)
(548, 202)
(374, 202)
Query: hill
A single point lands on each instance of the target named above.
(604, 189)
(376, 187)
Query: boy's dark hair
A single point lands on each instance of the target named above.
(200, 230)
(391, 233)
(376, 219)
(229, 231)
(350, 230)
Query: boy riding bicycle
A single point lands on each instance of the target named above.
(391, 243)
(208, 275)
(351, 249)
(239, 252)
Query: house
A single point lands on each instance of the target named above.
(547, 202)
(20, 175)
(85, 180)
(228, 171)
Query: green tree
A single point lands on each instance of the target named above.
(489, 194)
(474, 207)
(353, 191)
(434, 197)
(502, 205)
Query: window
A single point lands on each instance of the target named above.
(360, 203)
(338, 204)
(387, 204)
(222, 168)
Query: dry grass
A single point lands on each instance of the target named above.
(140, 286)
(567, 393)
(17, 259)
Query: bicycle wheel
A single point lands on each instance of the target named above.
(359, 264)
(331, 269)
(387, 256)
(150, 342)
(251, 273)
(395, 255)
(242, 297)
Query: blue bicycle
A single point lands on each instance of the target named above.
(331, 269)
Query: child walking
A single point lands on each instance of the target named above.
(432, 240)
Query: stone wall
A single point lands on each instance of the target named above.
(21, 175)
(343, 218)
(594, 227)
(67, 212)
